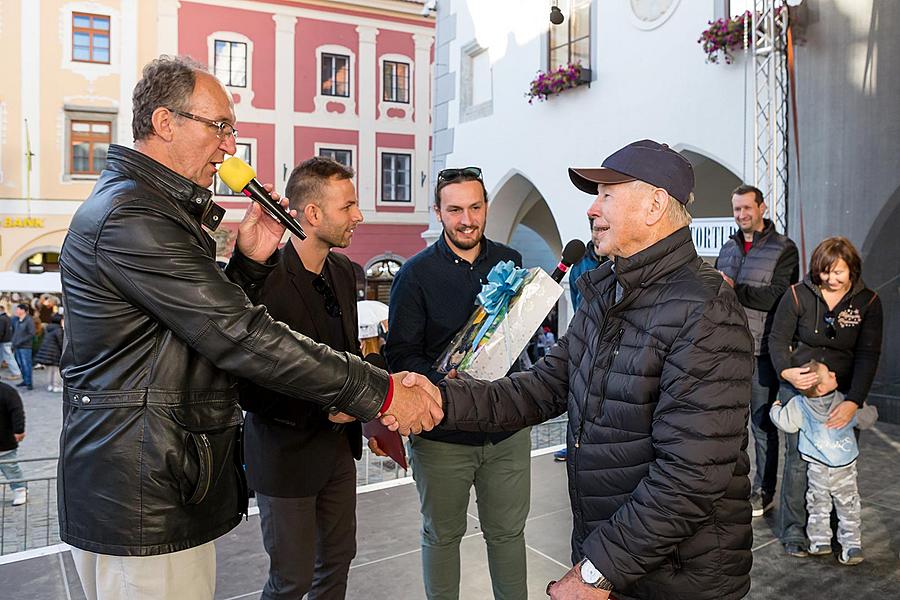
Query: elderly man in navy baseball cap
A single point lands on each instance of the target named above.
(654, 375)
(642, 190)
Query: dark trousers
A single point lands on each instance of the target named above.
(311, 541)
(792, 502)
(763, 392)
(23, 359)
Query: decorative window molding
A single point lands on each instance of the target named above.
(397, 190)
(476, 94)
(244, 93)
(396, 110)
(322, 101)
(90, 70)
(88, 133)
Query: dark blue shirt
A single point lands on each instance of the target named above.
(432, 297)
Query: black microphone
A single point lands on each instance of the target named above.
(571, 254)
(241, 178)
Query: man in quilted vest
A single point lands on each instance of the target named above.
(760, 264)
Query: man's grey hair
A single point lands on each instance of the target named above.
(167, 82)
(678, 213)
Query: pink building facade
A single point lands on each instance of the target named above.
(347, 79)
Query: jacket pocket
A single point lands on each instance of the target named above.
(208, 435)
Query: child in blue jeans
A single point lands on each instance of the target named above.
(831, 454)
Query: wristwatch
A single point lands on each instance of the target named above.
(594, 578)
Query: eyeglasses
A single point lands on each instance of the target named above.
(454, 174)
(224, 130)
(320, 284)
(830, 331)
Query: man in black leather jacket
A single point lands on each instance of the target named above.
(150, 468)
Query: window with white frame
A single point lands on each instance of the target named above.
(335, 75)
(396, 82)
(343, 156)
(88, 134)
(244, 152)
(396, 177)
(230, 63)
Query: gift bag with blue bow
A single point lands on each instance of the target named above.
(511, 307)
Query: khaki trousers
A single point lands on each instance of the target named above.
(186, 575)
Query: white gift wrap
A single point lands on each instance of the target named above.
(527, 310)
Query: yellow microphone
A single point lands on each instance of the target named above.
(241, 178)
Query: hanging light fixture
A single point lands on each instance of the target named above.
(556, 16)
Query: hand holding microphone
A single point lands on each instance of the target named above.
(241, 178)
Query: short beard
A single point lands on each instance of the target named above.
(463, 245)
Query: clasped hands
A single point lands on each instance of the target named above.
(416, 406)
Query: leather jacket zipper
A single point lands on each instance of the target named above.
(616, 342)
(204, 452)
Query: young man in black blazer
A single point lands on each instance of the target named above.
(299, 457)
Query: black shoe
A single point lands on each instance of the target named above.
(796, 550)
(23, 384)
(761, 503)
(30, 388)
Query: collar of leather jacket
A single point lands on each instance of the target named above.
(195, 199)
(663, 257)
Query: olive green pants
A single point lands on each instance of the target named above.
(501, 474)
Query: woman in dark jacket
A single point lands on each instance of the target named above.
(832, 317)
(51, 350)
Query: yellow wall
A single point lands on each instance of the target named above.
(11, 146)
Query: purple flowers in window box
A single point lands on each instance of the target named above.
(554, 81)
(726, 36)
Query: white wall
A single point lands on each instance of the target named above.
(648, 83)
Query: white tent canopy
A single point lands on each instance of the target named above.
(35, 283)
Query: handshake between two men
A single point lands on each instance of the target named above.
(415, 406)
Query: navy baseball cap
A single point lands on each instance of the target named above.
(647, 161)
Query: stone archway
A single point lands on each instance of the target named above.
(516, 203)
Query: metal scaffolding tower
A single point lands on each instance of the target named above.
(770, 91)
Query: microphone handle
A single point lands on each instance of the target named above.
(255, 191)
(559, 272)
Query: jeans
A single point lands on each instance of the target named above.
(11, 470)
(763, 392)
(6, 354)
(23, 357)
(444, 475)
(792, 514)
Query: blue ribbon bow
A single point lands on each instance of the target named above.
(504, 281)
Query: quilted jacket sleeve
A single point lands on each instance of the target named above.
(697, 431)
(513, 402)
(159, 266)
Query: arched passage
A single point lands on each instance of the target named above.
(881, 272)
(520, 217)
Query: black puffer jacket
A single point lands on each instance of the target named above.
(155, 334)
(51, 345)
(657, 388)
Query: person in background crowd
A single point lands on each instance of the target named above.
(12, 432)
(830, 456)
(23, 342)
(6, 351)
(760, 264)
(833, 318)
(51, 350)
(591, 260)
(432, 297)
